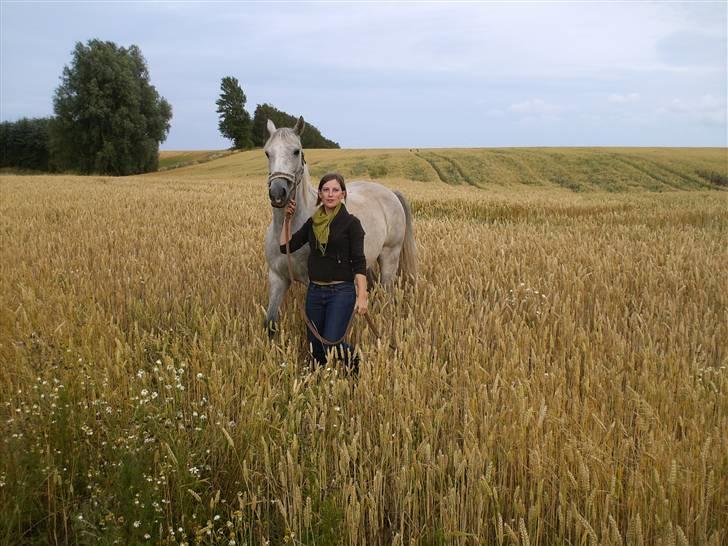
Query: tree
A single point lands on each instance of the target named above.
(311, 138)
(24, 144)
(235, 122)
(109, 117)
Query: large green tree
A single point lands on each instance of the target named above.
(109, 117)
(235, 122)
(311, 138)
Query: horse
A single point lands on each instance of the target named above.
(384, 214)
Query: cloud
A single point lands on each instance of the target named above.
(535, 106)
(623, 99)
(537, 111)
(691, 48)
(495, 113)
(350, 67)
(702, 104)
(707, 109)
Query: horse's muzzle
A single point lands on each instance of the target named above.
(278, 193)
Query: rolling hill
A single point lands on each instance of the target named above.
(575, 169)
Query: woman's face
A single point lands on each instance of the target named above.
(331, 194)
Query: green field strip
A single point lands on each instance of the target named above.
(440, 175)
(480, 168)
(660, 177)
(519, 170)
(458, 169)
(568, 171)
(575, 169)
(698, 182)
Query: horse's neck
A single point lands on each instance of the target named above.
(305, 197)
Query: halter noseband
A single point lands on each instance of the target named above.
(294, 179)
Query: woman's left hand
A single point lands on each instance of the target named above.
(361, 305)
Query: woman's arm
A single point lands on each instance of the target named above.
(299, 238)
(290, 209)
(358, 265)
(361, 293)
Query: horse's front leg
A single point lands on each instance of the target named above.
(277, 286)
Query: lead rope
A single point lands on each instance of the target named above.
(311, 325)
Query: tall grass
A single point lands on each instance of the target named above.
(560, 376)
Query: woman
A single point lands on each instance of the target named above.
(336, 268)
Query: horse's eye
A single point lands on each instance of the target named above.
(296, 152)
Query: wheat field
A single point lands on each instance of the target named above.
(559, 378)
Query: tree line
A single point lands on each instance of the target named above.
(236, 124)
(109, 118)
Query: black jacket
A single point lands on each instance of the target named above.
(344, 256)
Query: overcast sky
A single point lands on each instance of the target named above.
(404, 74)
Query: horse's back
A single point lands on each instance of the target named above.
(380, 212)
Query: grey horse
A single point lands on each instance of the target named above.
(385, 216)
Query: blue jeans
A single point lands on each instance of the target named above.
(329, 308)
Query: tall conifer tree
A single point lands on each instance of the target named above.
(235, 122)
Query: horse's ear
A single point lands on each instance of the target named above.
(299, 126)
(271, 127)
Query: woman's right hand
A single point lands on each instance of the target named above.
(290, 208)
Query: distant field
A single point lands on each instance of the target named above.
(560, 377)
(574, 169)
(176, 159)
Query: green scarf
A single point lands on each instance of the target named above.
(321, 223)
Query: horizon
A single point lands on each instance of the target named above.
(484, 75)
(343, 148)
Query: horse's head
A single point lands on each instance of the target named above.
(285, 162)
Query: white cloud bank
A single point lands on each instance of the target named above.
(616, 98)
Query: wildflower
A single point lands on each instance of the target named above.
(137, 524)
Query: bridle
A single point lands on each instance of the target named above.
(294, 179)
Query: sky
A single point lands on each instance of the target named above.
(403, 74)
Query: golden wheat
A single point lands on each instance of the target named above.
(560, 376)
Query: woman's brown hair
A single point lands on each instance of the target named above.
(327, 178)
